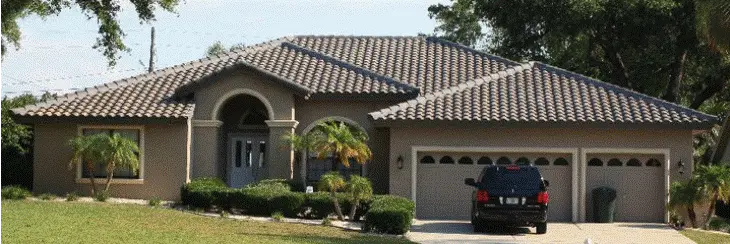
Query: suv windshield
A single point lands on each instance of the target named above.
(501, 178)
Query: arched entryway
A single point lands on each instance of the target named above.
(244, 136)
(313, 167)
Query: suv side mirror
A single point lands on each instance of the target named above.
(547, 183)
(470, 182)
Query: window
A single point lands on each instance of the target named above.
(542, 161)
(522, 161)
(484, 161)
(316, 167)
(614, 162)
(135, 134)
(466, 160)
(427, 160)
(561, 162)
(595, 162)
(503, 161)
(653, 163)
(633, 162)
(446, 160)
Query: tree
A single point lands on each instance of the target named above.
(686, 195)
(648, 46)
(713, 24)
(716, 181)
(333, 182)
(105, 12)
(113, 151)
(218, 48)
(359, 189)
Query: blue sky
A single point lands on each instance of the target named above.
(56, 53)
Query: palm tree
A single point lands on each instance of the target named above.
(686, 195)
(119, 151)
(359, 189)
(716, 181)
(343, 142)
(115, 151)
(713, 23)
(86, 151)
(333, 182)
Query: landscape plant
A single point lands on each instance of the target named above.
(358, 188)
(685, 195)
(112, 151)
(715, 179)
(332, 182)
(15, 193)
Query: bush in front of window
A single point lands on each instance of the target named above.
(72, 196)
(15, 193)
(289, 204)
(199, 193)
(102, 196)
(389, 214)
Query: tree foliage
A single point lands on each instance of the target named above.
(715, 179)
(333, 182)
(650, 46)
(686, 195)
(218, 48)
(713, 23)
(105, 12)
(359, 188)
(336, 139)
(112, 151)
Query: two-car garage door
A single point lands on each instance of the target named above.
(637, 178)
(441, 193)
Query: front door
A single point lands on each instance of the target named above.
(247, 159)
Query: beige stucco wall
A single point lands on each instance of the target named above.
(165, 162)
(309, 112)
(402, 139)
(209, 157)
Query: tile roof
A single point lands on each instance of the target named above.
(537, 92)
(452, 82)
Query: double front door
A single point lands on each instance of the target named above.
(247, 158)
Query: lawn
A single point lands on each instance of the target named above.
(58, 222)
(704, 237)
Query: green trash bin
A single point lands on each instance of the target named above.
(604, 204)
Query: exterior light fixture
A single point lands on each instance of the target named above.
(681, 167)
(400, 162)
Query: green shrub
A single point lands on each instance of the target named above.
(289, 204)
(318, 205)
(102, 196)
(15, 193)
(72, 196)
(155, 201)
(277, 216)
(204, 193)
(719, 224)
(257, 199)
(327, 222)
(47, 196)
(389, 214)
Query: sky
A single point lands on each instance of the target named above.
(56, 54)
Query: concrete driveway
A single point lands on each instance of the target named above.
(444, 231)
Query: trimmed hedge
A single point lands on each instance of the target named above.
(389, 214)
(15, 193)
(383, 213)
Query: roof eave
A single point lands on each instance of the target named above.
(538, 124)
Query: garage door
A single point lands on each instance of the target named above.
(638, 181)
(441, 193)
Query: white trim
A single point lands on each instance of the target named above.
(663, 151)
(241, 91)
(114, 181)
(572, 151)
(282, 123)
(79, 131)
(207, 123)
(188, 150)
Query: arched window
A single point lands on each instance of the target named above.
(503, 161)
(595, 162)
(653, 163)
(614, 162)
(633, 162)
(542, 161)
(561, 162)
(522, 161)
(484, 161)
(427, 160)
(446, 160)
(466, 160)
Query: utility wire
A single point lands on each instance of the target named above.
(27, 82)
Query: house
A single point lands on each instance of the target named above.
(436, 112)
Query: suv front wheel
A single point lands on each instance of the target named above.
(541, 227)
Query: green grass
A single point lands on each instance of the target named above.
(704, 237)
(77, 222)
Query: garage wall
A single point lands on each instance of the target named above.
(679, 142)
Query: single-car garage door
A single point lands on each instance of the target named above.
(638, 181)
(441, 193)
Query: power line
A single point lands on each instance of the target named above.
(31, 82)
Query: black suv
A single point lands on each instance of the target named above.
(509, 195)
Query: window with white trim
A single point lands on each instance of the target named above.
(134, 134)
